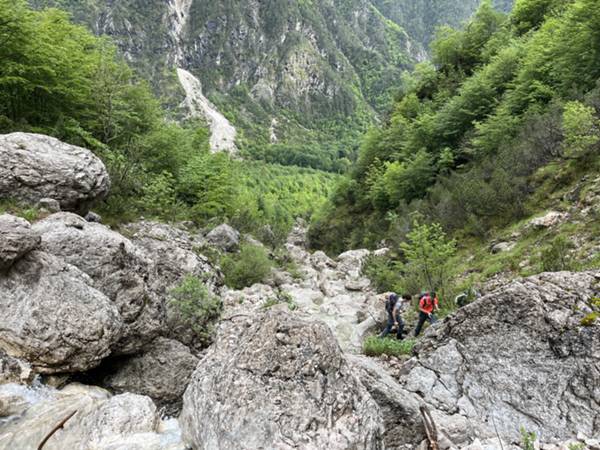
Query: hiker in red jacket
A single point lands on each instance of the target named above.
(428, 304)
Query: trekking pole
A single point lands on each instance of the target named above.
(430, 429)
(377, 322)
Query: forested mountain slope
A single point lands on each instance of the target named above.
(299, 80)
(499, 102)
(280, 71)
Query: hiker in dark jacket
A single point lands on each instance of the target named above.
(393, 307)
(428, 304)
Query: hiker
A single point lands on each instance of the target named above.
(393, 307)
(428, 304)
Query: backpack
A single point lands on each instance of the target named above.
(427, 299)
(390, 303)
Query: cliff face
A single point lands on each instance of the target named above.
(275, 68)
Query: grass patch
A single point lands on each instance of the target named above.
(29, 213)
(374, 346)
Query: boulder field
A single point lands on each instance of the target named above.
(87, 327)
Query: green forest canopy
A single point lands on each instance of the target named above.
(50, 77)
(472, 125)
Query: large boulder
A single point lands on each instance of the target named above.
(224, 238)
(351, 262)
(101, 422)
(278, 381)
(16, 239)
(175, 253)
(162, 372)
(519, 357)
(119, 269)
(34, 167)
(52, 316)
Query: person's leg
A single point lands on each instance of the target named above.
(388, 327)
(400, 330)
(422, 319)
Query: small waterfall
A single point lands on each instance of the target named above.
(223, 134)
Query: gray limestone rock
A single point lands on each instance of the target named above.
(224, 238)
(53, 318)
(49, 204)
(174, 255)
(101, 422)
(35, 167)
(119, 269)
(518, 357)
(162, 373)
(16, 239)
(278, 381)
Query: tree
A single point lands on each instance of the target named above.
(428, 254)
(581, 129)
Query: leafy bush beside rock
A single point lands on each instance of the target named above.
(251, 265)
(196, 306)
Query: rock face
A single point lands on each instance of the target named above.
(518, 357)
(118, 268)
(549, 220)
(53, 317)
(34, 167)
(162, 372)
(173, 252)
(124, 422)
(16, 239)
(224, 238)
(278, 382)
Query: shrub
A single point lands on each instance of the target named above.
(250, 266)
(556, 257)
(590, 319)
(374, 346)
(196, 306)
(382, 272)
(581, 129)
(528, 439)
(428, 254)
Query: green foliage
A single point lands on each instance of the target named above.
(383, 272)
(530, 14)
(556, 257)
(374, 346)
(590, 319)
(250, 266)
(505, 97)
(581, 129)
(29, 213)
(577, 446)
(528, 439)
(428, 254)
(197, 306)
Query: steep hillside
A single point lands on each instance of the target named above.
(507, 99)
(280, 71)
(300, 81)
(420, 18)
